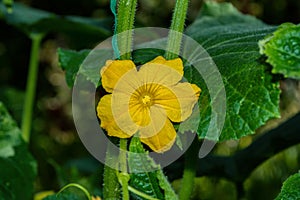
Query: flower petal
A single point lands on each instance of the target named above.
(113, 71)
(140, 114)
(178, 100)
(108, 120)
(163, 140)
(161, 71)
(175, 64)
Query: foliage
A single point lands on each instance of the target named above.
(251, 95)
(283, 50)
(18, 168)
(290, 188)
(31, 20)
(250, 75)
(231, 39)
(151, 183)
(70, 62)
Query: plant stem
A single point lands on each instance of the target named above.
(123, 176)
(177, 26)
(125, 22)
(111, 186)
(189, 172)
(31, 86)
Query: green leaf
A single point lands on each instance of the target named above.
(149, 182)
(291, 188)
(145, 182)
(231, 39)
(165, 185)
(283, 50)
(31, 20)
(18, 168)
(84, 62)
(70, 61)
(218, 10)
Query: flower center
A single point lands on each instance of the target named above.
(146, 99)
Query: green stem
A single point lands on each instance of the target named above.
(190, 165)
(31, 86)
(111, 186)
(123, 176)
(124, 23)
(125, 19)
(177, 26)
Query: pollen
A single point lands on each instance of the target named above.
(147, 100)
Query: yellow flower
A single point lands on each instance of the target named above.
(145, 101)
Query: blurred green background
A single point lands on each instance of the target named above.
(54, 141)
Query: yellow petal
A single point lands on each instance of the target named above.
(113, 71)
(178, 100)
(132, 112)
(161, 71)
(108, 120)
(175, 64)
(196, 89)
(139, 113)
(163, 140)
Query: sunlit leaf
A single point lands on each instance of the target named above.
(291, 188)
(231, 40)
(283, 50)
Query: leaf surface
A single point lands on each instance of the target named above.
(291, 188)
(18, 168)
(283, 50)
(231, 40)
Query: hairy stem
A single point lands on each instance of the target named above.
(122, 43)
(31, 86)
(111, 186)
(125, 22)
(123, 176)
(177, 26)
(189, 172)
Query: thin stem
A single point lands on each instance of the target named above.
(125, 22)
(177, 26)
(189, 172)
(31, 86)
(123, 176)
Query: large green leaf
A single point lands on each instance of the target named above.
(291, 188)
(31, 20)
(151, 183)
(283, 50)
(231, 40)
(18, 168)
